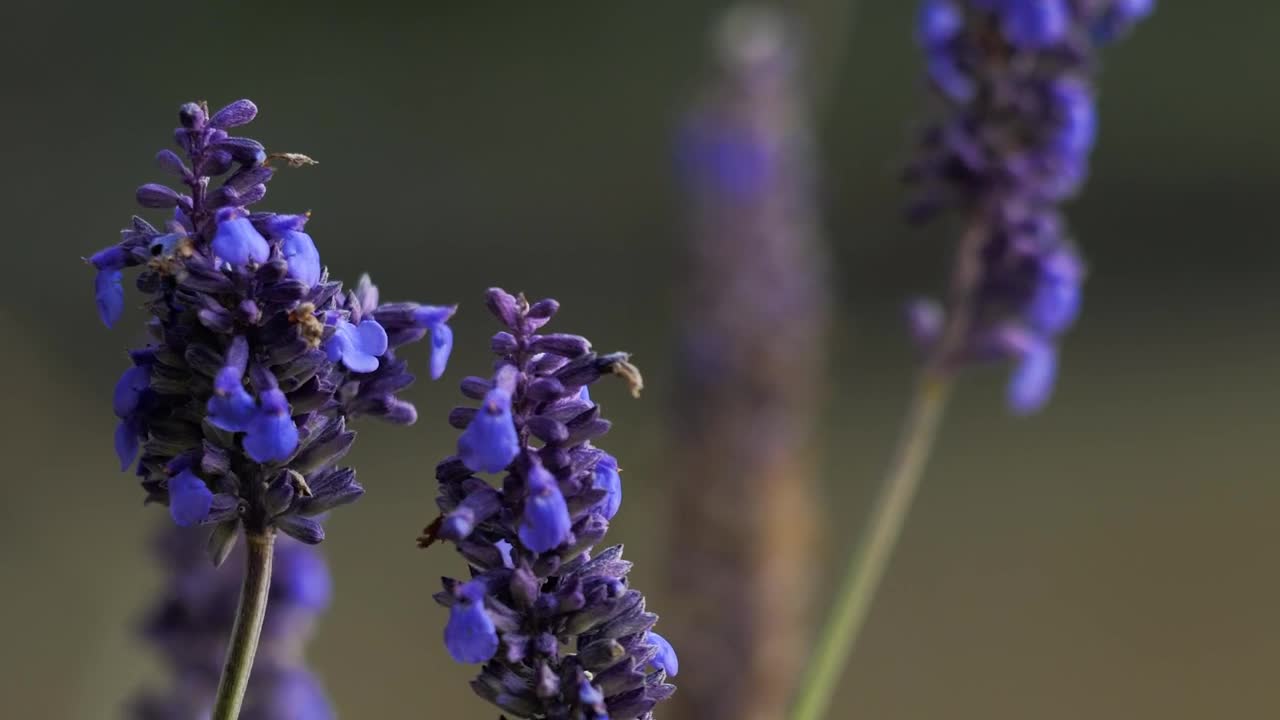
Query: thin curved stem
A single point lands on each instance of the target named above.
(248, 627)
(870, 558)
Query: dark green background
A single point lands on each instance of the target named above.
(1114, 558)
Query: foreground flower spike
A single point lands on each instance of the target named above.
(1013, 142)
(560, 633)
(235, 416)
(189, 624)
(258, 361)
(754, 307)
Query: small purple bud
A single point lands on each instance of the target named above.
(240, 112)
(489, 443)
(152, 195)
(169, 161)
(271, 435)
(189, 499)
(546, 521)
(470, 635)
(441, 347)
(191, 115)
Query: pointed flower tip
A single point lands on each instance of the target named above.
(489, 443)
(470, 635)
(189, 499)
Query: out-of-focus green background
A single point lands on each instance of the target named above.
(1114, 558)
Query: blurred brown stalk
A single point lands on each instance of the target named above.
(754, 311)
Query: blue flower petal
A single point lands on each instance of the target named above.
(1036, 24)
(441, 347)
(236, 241)
(666, 658)
(1032, 381)
(938, 22)
(126, 441)
(358, 347)
(189, 499)
(299, 250)
(232, 412)
(608, 479)
(489, 443)
(470, 635)
(129, 389)
(545, 523)
(271, 435)
(109, 294)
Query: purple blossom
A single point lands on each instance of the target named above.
(191, 620)
(557, 628)
(258, 361)
(609, 480)
(489, 443)
(1011, 146)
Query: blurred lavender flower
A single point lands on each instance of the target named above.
(190, 624)
(560, 632)
(239, 406)
(753, 315)
(1019, 120)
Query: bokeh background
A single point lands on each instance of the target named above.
(1113, 558)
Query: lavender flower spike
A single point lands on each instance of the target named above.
(258, 360)
(189, 624)
(1015, 78)
(560, 633)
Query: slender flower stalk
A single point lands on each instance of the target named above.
(754, 311)
(235, 415)
(1015, 78)
(190, 623)
(556, 626)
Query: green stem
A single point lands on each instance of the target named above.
(867, 565)
(248, 626)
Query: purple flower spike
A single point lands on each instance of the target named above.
(358, 346)
(1012, 144)
(569, 629)
(236, 385)
(470, 635)
(546, 517)
(489, 443)
(189, 499)
(299, 250)
(109, 294)
(236, 241)
(609, 480)
(271, 435)
(666, 658)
